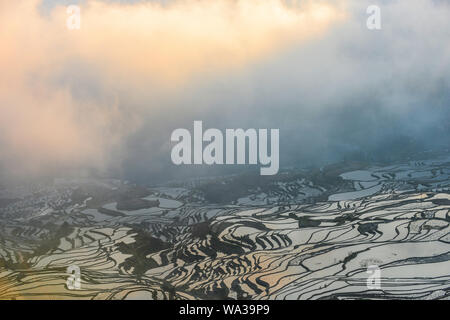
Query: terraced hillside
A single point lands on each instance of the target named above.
(303, 235)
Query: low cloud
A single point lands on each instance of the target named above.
(108, 95)
(71, 98)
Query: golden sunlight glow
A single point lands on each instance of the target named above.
(135, 45)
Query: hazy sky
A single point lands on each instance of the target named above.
(108, 96)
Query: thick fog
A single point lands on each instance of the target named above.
(104, 99)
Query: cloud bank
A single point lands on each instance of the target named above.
(108, 96)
